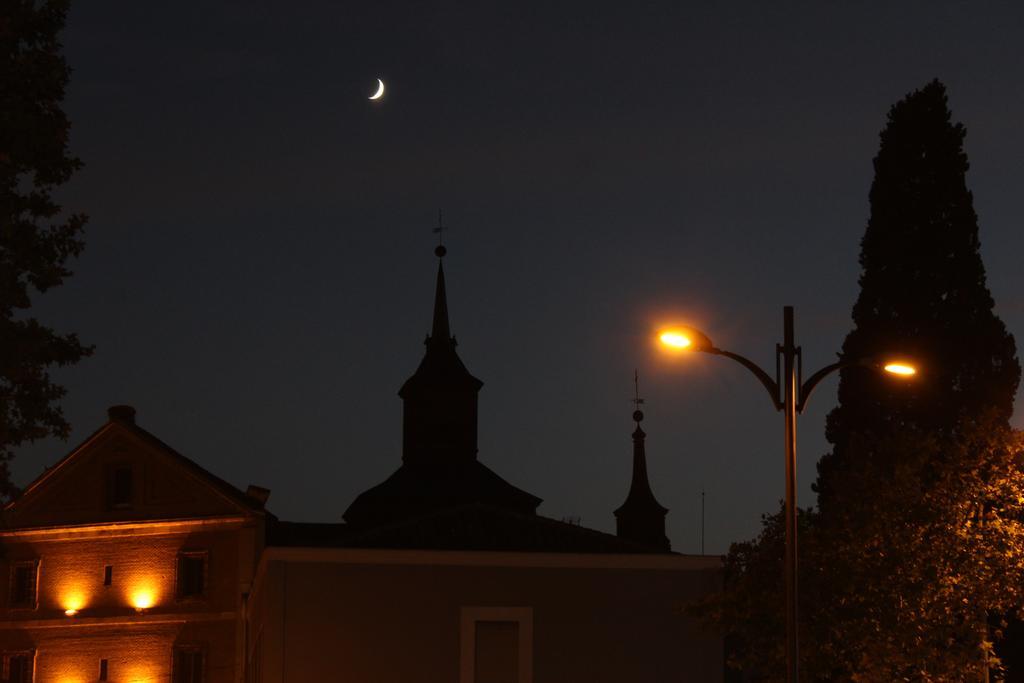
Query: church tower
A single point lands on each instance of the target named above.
(641, 518)
(440, 470)
(439, 401)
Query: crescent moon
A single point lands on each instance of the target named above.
(380, 91)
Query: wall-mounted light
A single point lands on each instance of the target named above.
(142, 600)
(73, 599)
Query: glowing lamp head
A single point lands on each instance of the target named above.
(70, 611)
(684, 339)
(900, 368)
(675, 339)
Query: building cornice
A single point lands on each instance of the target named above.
(474, 558)
(127, 528)
(124, 620)
(480, 558)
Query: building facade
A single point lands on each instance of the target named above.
(129, 562)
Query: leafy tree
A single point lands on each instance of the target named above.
(900, 585)
(924, 545)
(751, 610)
(923, 293)
(36, 237)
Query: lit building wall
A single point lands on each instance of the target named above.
(393, 616)
(137, 621)
(136, 653)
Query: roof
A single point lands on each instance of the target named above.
(465, 527)
(114, 424)
(417, 488)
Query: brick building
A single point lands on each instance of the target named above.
(127, 562)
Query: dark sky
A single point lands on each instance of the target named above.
(259, 271)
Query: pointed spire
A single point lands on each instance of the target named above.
(641, 518)
(440, 331)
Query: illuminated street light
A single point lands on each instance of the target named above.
(675, 339)
(900, 368)
(788, 393)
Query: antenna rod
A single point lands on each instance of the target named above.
(701, 520)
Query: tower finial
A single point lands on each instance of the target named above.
(440, 251)
(638, 414)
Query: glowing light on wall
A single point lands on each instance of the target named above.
(144, 591)
(143, 599)
(72, 600)
(145, 673)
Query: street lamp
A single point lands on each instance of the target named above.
(794, 394)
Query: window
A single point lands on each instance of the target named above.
(496, 645)
(23, 584)
(103, 669)
(18, 666)
(192, 574)
(188, 665)
(108, 575)
(119, 488)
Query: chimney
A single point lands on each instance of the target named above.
(124, 414)
(258, 493)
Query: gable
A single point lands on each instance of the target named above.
(123, 473)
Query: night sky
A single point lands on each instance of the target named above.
(259, 268)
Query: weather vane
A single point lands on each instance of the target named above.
(636, 400)
(441, 227)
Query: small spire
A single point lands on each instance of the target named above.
(641, 518)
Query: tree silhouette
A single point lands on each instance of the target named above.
(923, 293)
(918, 538)
(36, 237)
(919, 499)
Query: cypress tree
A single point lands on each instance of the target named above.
(923, 293)
(918, 540)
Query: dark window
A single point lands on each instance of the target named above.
(23, 584)
(108, 575)
(19, 667)
(103, 669)
(188, 665)
(121, 487)
(192, 575)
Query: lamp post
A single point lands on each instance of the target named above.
(788, 393)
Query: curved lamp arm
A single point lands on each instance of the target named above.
(807, 387)
(771, 385)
